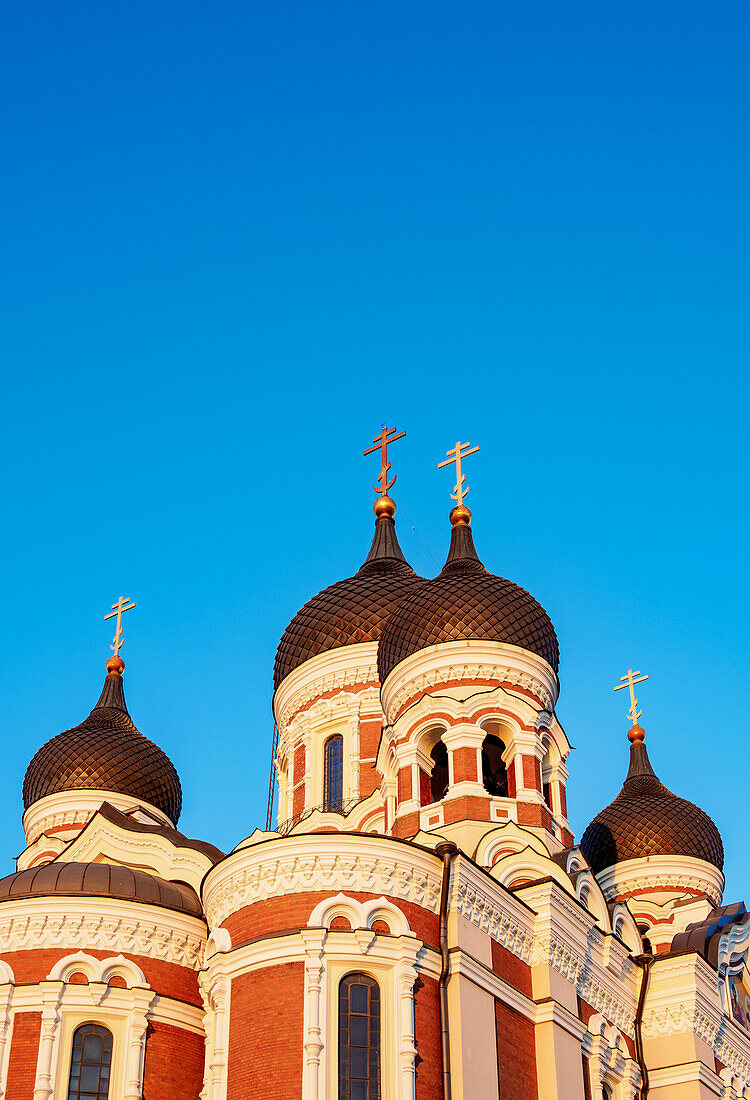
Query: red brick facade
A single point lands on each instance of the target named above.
(288, 913)
(427, 1033)
(27, 1028)
(265, 1034)
(516, 1054)
(465, 765)
(511, 969)
(173, 1066)
(167, 979)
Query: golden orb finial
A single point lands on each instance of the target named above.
(384, 506)
(461, 516)
(636, 733)
(116, 666)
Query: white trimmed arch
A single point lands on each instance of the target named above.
(98, 970)
(360, 914)
(625, 928)
(508, 839)
(527, 866)
(589, 894)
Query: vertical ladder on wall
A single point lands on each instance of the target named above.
(272, 778)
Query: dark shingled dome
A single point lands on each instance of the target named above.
(646, 819)
(352, 610)
(465, 602)
(106, 752)
(100, 880)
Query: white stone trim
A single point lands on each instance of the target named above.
(124, 1012)
(6, 1022)
(392, 962)
(496, 912)
(684, 996)
(66, 808)
(467, 661)
(669, 872)
(365, 863)
(592, 959)
(216, 991)
(688, 1073)
(609, 1061)
(360, 914)
(280, 950)
(465, 965)
(509, 838)
(101, 924)
(349, 666)
(98, 971)
(43, 850)
(103, 841)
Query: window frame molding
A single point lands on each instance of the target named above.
(391, 960)
(609, 1060)
(65, 1007)
(336, 805)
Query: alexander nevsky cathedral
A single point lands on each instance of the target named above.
(422, 924)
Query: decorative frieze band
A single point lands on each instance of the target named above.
(89, 931)
(492, 918)
(301, 863)
(432, 678)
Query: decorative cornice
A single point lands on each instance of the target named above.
(65, 923)
(349, 666)
(68, 809)
(468, 661)
(669, 872)
(321, 861)
(498, 914)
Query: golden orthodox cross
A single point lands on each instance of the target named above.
(461, 450)
(629, 681)
(123, 604)
(381, 441)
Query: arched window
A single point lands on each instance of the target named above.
(606, 1092)
(333, 773)
(439, 776)
(359, 1038)
(547, 778)
(494, 773)
(644, 930)
(90, 1064)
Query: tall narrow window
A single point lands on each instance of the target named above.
(439, 777)
(333, 773)
(91, 1063)
(494, 773)
(359, 1038)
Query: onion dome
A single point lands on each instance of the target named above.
(100, 880)
(106, 752)
(465, 602)
(646, 819)
(353, 610)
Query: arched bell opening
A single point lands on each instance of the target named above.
(494, 771)
(439, 775)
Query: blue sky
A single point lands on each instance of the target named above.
(239, 237)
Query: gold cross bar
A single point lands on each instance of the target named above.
(455, 456)
(629, 681)
(123, 604)
(381, 441)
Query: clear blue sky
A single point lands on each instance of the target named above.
(238, 237)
